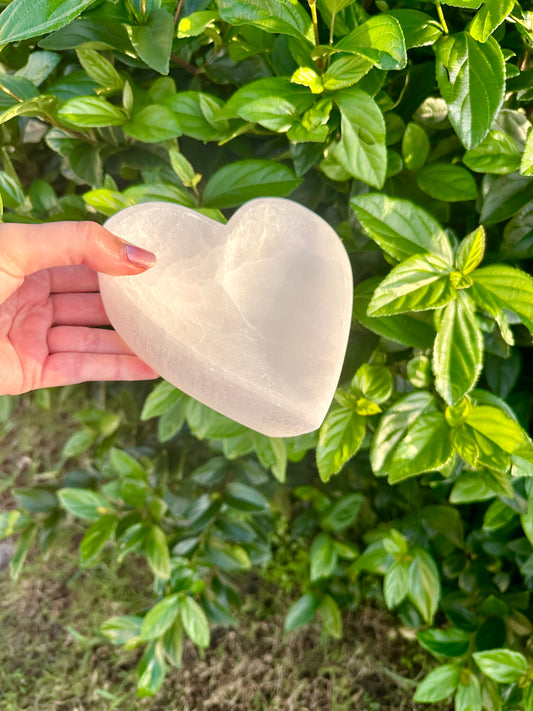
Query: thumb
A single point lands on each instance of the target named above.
(25, 249)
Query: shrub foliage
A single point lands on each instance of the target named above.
(403, 123)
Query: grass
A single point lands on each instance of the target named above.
(53, 657)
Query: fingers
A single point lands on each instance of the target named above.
(25, 249)
(79, 339)
(71, 368)
(66, 279)
(78, 310)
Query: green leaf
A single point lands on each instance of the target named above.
(36, 500)
(39, 66)
(323, 555)
(400, 227)
(238, 182)
(300, 612)
(374, 382)
(446, 181)
(375, 559)
(162, 615)
(10, 521)
(474, 4)
(165, 192)
(451, 642)
(489, 18)
(517, 240)
(468, 696)
(306, 76)
(526, 164)
(151, 670)
(502, 665)
(153, 124)
(419, 371)
(274, 102)
(126, 465)
(420, 282)
(21, 21)
(172, 420)
(396, 584)
(84, 503)
(335, 6)
(91, 112)
(342, 513)
(479, 486)
(183, 169)
(362, 150)
(444, 520)
(340, 437)
(494, 424)
(195, 622)
(244, 498)
(470, 251)
(426, 447)
(156, 550)
(345, 70)
(415, 146)
(96, 538)
(195, 23)
(424, 584)
(498, 514)
(458, 351)
(10, 190)
(277, 16)
(153, 40)
(438, 685)
(419, 29)
(505, 197)
(193, 110)
(380, 39)
(271, 452)
(22, 548)
(174, 640)
(497, 154)
(412, 437)
(106, 201)
(502, 374)
(410, 330)
(100, 69)
(121, 630)
(471, 78)
(331, 617)
(499, 286)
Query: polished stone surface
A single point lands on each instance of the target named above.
(251, 318)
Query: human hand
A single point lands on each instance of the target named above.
(50, 305)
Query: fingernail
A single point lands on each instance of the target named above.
(140, 257)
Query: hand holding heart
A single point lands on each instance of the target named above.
(50, 304)
(250, 318)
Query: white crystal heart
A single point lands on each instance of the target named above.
(251, 318)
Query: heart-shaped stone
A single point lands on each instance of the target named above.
(251, 318)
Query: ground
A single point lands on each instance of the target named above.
(52, 656)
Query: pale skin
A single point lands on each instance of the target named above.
(51, 311)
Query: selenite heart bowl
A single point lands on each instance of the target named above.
(251, 318)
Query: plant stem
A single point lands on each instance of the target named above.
(332, 27)
(442, 19)
(185, 65)
(177, 13)
(314, 16)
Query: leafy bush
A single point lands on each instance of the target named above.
(406, 125)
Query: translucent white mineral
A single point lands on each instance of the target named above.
(251, 318)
